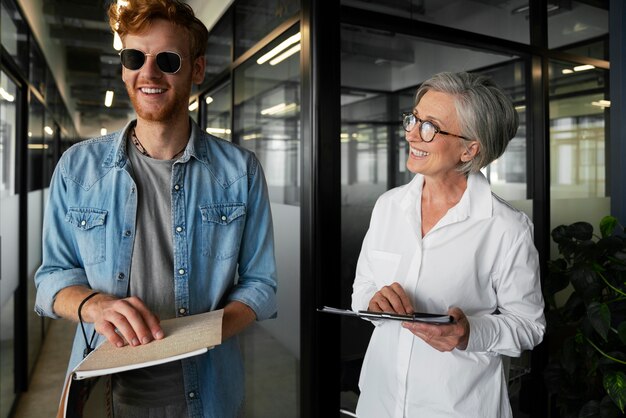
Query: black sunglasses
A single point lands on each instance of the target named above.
(133, 59)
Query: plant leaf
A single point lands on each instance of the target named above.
(590, 410)
(608, 408)
(607, 225)
(600, 317)
(615, 385)
(582, 231)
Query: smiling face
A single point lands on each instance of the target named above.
(441, 156)
(155, 95)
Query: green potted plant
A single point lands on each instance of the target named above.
(586, 334)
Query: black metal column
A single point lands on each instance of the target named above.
(320, 210)
(617, 145)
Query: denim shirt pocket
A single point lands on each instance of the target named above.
(90, 232)
(222, 229)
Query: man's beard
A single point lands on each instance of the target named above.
(167, 112)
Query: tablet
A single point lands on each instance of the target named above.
(430, 318)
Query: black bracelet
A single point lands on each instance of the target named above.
(88, 348)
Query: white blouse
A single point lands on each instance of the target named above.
(479, 257)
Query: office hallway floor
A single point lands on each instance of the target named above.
(266, 360)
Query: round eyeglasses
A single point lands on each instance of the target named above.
(427, 129)
(133, 59)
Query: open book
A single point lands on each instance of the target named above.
(184, 337)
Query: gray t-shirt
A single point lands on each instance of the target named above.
(152, 280)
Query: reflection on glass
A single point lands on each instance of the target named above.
(506, 20)
(574, 22)
(7, 365)
(14, 33)
(218, 116)
(267, 119)
(8, 97)
(257, 18)
(218, 53)
(578, 110)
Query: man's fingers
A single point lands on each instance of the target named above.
(404, 299)
(147, 321)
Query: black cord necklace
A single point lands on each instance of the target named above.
(143, 150)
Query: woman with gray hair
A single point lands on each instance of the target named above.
(445, 243)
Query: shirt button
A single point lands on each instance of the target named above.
(181, 271)
(179, 229)
(224, 217)
(182, 311)
(127, 233)
(83, 222)
(132, 190)
(121, 276)
(176, 187)
(192, 395)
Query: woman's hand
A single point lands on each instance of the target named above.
(391, 299)
(443, 337)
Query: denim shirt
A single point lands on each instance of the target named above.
(222, 239)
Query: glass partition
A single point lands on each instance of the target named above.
(380, 73)
(577, 22)
(218, 115)
(267, 115)
(579, 109)
(255, 19)
(506, 20)
(9, 204)
(266, 120)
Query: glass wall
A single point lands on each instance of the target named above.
(255, 19)
(380, 73)
(579, 106)
(10, 237)
(267, 114)
(218, 116)
(506, 20)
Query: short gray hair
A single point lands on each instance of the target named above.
(485, 113)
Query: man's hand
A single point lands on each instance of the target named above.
(129, 318)
(391, 298)
(443, 337)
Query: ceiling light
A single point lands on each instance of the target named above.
(48, 130)
(6, 95)
(602, 103)
(279, 109)
(37, 146)
(108, 98)
(251, 136)
(117, 41)
(218, 131)
(209, 100)
(193, 105)
(285, 54)
(103, 131)
(584, 67)
(278, 49)
(567, 71)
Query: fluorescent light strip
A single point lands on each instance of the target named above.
(108, 98)
(193, 106)
(602, 103)
(584, 67)
(103, 131)
(209, 100)
(6, 95)
(285, 55)
(278, 49)
(48, 130)
(218, 131)
(37, 146)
